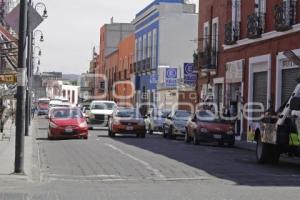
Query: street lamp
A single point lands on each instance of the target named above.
(39, 32)
(39, 49)
(42, 5)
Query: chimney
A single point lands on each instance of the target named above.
(112, 20)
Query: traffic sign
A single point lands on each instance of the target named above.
(8, 78)
(12, 18)
(171, 77)
(190, 75)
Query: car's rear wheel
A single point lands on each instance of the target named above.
(231, 144)
(221, 143)
(150, 131)
(143, 135)
(165, 132)
(267, 153)
(171, 134)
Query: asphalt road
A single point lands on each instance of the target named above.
(129, 168)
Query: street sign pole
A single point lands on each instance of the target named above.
(20, 113)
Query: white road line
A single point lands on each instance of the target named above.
(147, 165)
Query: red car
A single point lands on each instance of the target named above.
(207, 127)
(67, 123)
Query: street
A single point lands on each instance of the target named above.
(126, 167)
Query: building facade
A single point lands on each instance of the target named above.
(110, 37)
(125, 88)
(247, 50)
(164, 34)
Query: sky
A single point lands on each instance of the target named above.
(73, 29)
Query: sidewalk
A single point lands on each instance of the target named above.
(7, 151)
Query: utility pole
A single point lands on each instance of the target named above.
(29, 69)
(20, 113)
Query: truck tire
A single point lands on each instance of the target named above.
(267, 153)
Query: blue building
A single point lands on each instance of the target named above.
(164, 31)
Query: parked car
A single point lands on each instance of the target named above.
(155, 120)
(67, 123)
(175, 124)
(100, 112)
(127, 121)
(206, 126)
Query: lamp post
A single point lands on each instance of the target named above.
(31, 39)
(20, 112)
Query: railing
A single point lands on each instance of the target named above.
(208, 60)
(256, 25)
(232, 33)
(285, 15)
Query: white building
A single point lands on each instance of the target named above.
(63, 90)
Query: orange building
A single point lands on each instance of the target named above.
(126, 88)
(119, 70)
(110, 37)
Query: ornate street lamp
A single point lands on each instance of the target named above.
(43, 6)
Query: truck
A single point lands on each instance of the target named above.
(279, 133)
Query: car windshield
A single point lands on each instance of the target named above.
(126, 113)
(182, 114)
(66, 114)
(206, 116)
(103, 106)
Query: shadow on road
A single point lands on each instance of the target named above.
(231, 164)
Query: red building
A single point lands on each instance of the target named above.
(241, 54)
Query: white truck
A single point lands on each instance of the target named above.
(99, 114)
(280, 133)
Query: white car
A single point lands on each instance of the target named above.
(100, 112)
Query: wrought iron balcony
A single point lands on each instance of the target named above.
(232, 33)
(208, 59)
(256, 25)
(285, 15)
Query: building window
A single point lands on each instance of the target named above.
(236, 17)
(215, 36)
(136, 50)
(144, 46)
(154, 48)
(149, 45)
(206, 35)
(260, 10)
(140, 49)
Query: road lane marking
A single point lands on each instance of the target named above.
(156, 172)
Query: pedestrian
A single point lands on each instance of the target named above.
(33, 109)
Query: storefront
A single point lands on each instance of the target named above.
(234, 93)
